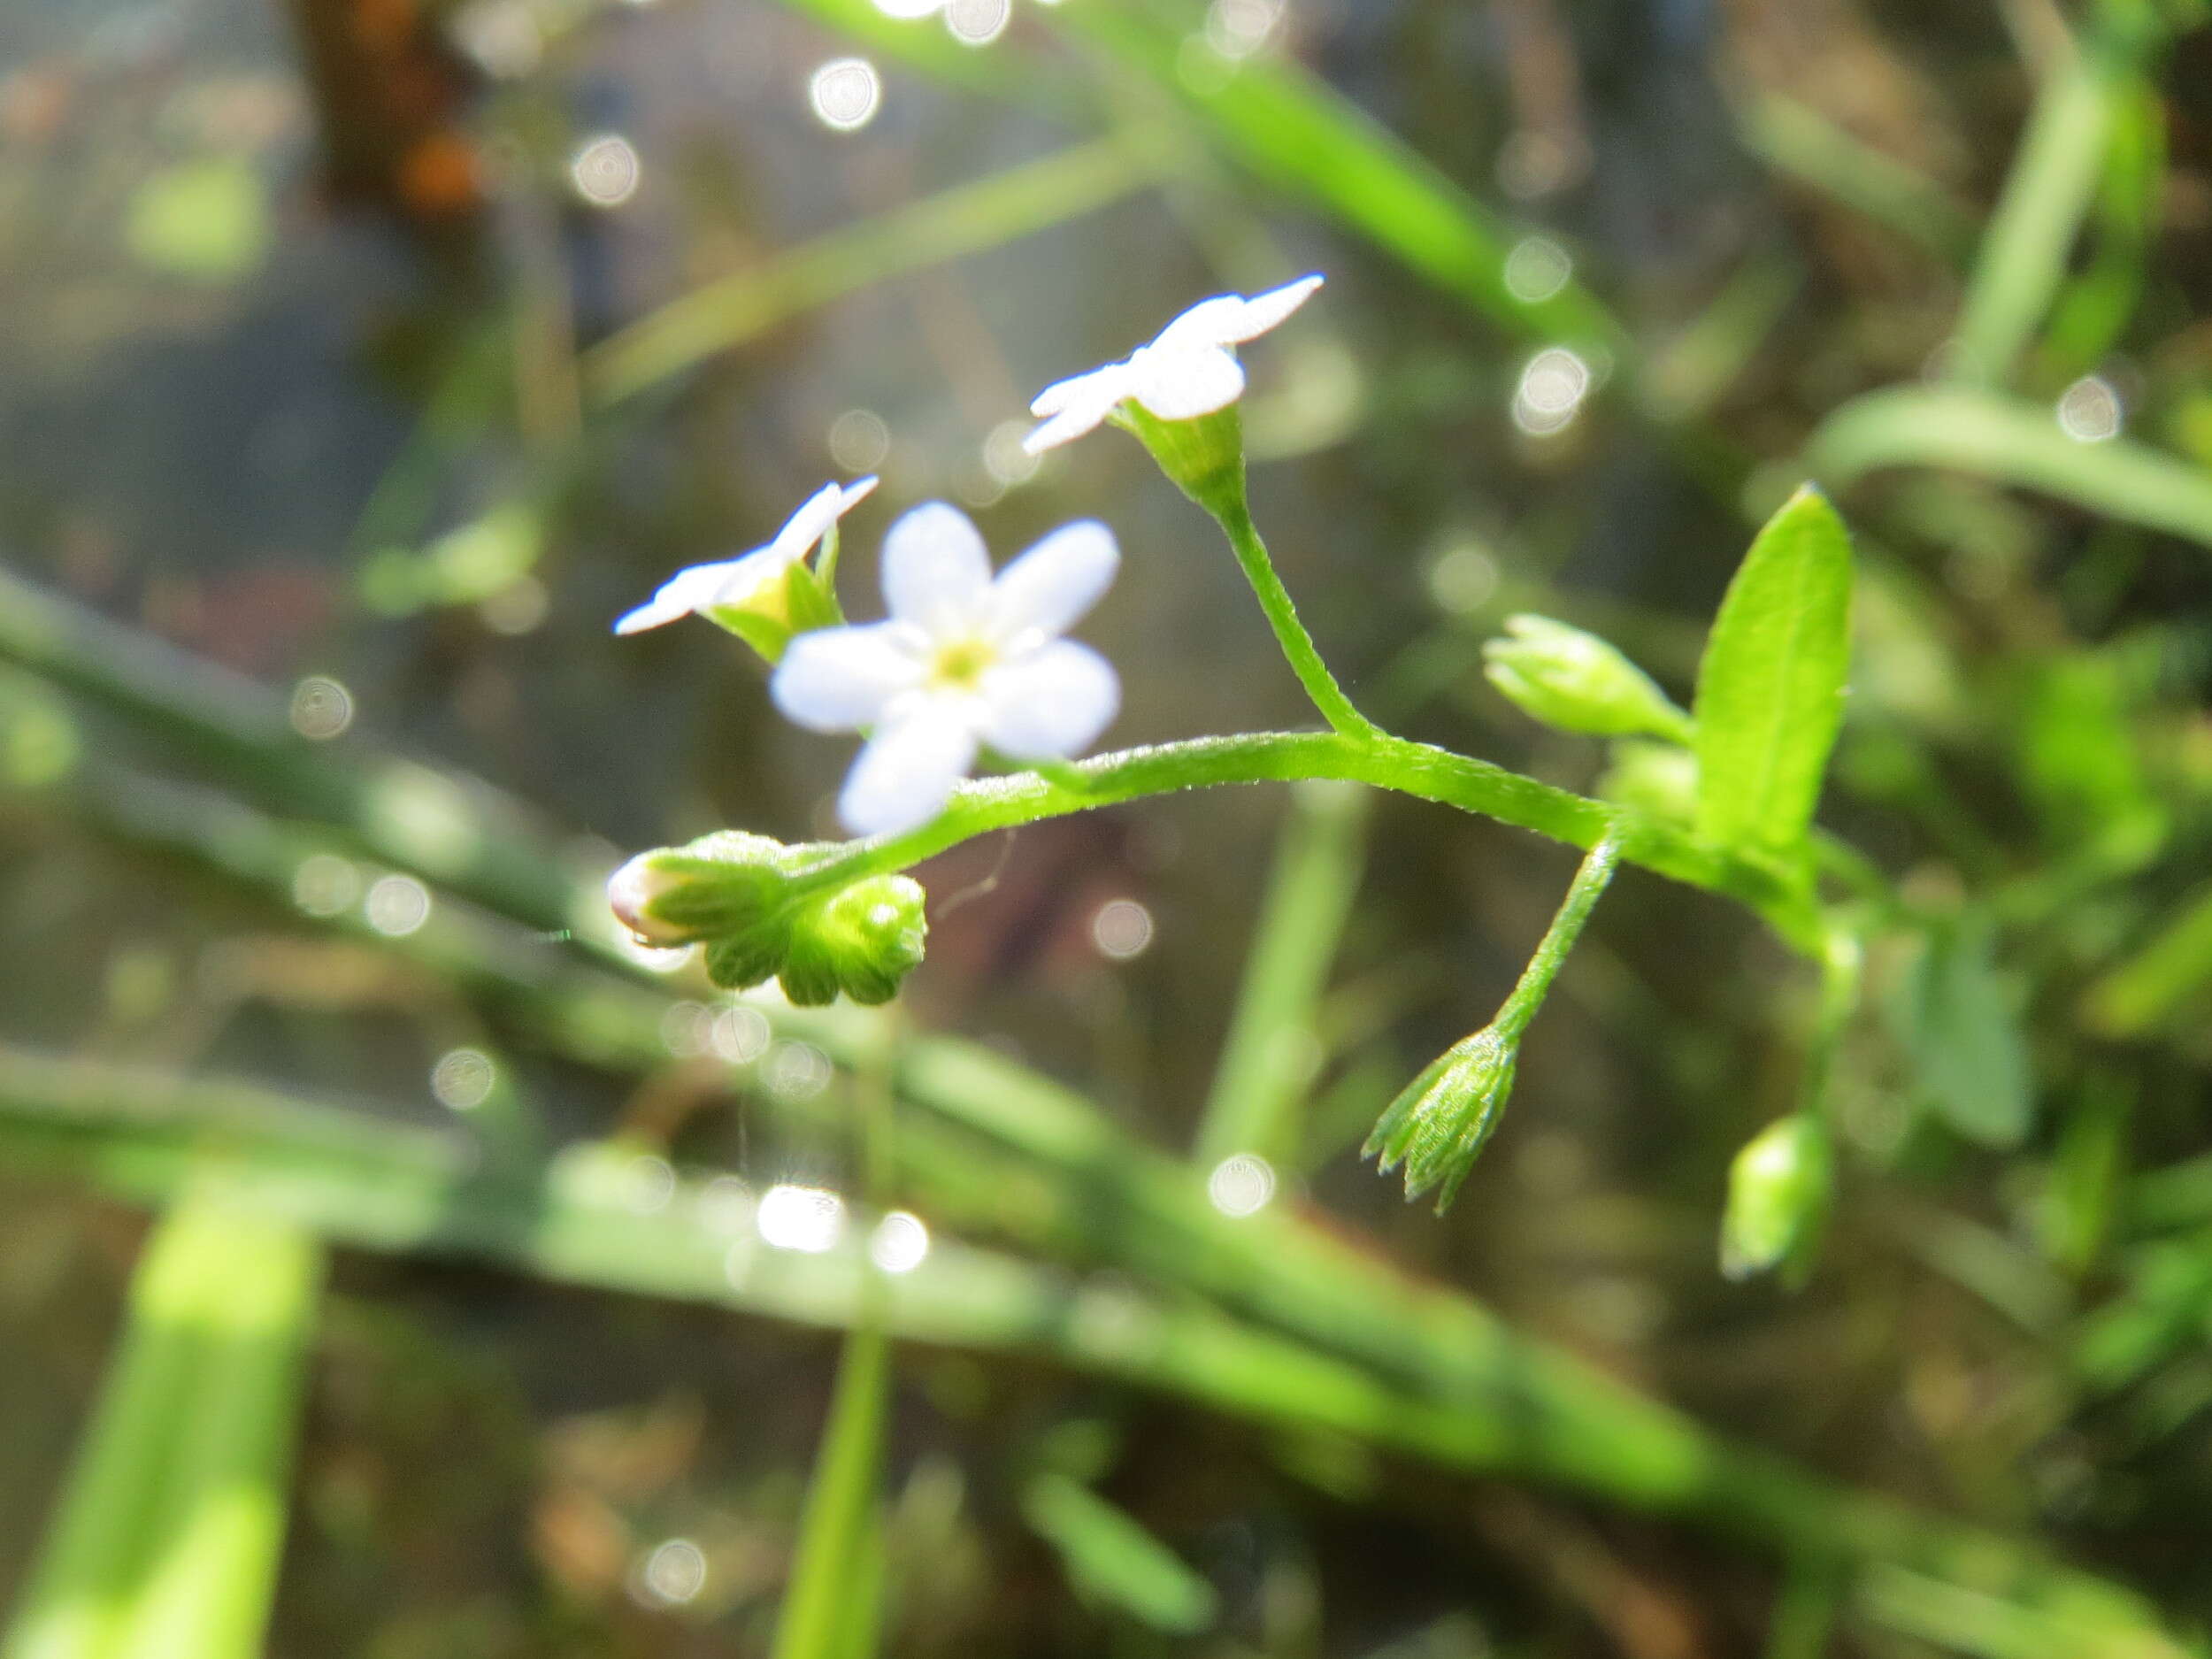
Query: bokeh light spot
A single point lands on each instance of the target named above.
(605, 170)
(899, 1242)
(397, 905)
(808, 1219)
(1241, 1185)
(845, 93)
(321, 708)
(1122, 929)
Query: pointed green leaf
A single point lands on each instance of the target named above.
(1769, 691)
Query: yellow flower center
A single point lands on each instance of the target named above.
(960, 663)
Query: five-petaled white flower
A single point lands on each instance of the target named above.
(1188, 371)
(963, 660)
(732, 581)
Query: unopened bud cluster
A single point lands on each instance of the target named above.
(749, 901)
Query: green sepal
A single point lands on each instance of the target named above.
(1203, 456)
(1440, 1122)
(777, 610)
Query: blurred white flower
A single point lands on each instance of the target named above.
(731, 581)
(1188, 371)
(963, 660)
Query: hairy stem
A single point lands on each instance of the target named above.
(1590, 882)
(1373, 758)
(1290, 633)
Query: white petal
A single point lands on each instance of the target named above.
(902, 778)
(839, 679)
(679, 596)
(1061, 394)
(1212, 322)
(1228, 319)
(936, 571)
(741, 577)
(1263, 311)
(1183, 385)
(824, 508)
(1050, 703)
(1047, 589)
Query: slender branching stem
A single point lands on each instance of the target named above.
(1290, 633)
(1590, 882)
(1374, 758)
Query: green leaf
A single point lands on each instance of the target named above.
(1770, 690)
(1955, 1019)
(1113, 1561)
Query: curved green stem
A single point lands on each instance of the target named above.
(1383, 762)
(1590, 883)
(1290, 633)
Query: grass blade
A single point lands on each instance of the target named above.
(1770, 689)
(966, 219)
(2016, 442)
(170, 1529)
(2023, 259)
(1262, 1071)
(834, 1604)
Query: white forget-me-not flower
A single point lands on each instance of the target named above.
(1188, 371)
(733, 581)
(962, 660)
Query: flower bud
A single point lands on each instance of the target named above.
(1778, 1198)
(1659, 778)
(763, 910)
(1202, 456)
(1439, 1124)
(861, 940)
(1577, 683)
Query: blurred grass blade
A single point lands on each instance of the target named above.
(170, 1528)
(1796, 138)
(2138, 995)
(1770, 686)
(2092, 310)
(1267, 1059)
(1459, 1390)
(1295, 131)
(966, 219)
(834, 1604)
(2013, 442)
(1113, 1561)
(2024, 254)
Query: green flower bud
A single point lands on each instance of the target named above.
(1439, 1124)
(1202, 456)
(1577, 683)
(1778, 1199)
(861, 940)
(1660, 779)
(751, 903)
